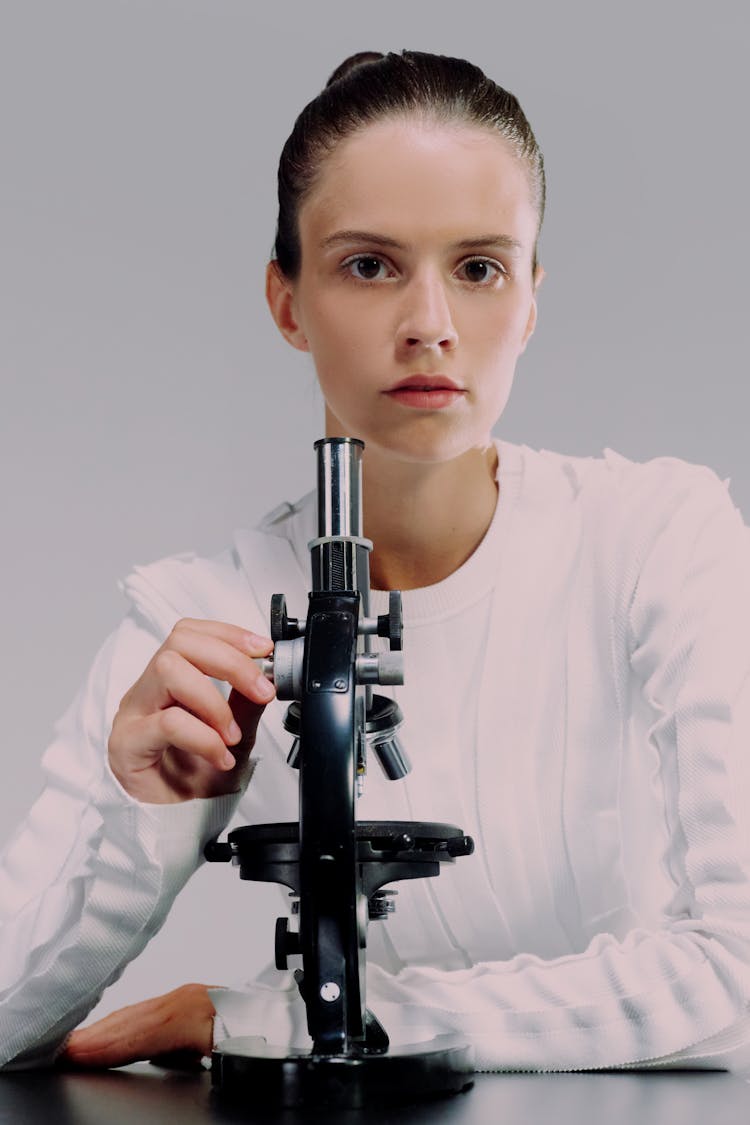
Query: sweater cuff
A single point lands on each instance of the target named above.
(177, 833)
(271, 1013)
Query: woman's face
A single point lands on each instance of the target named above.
(415, 295)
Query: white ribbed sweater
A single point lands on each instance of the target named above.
(577, 698)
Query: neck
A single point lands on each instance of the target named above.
(425, 520)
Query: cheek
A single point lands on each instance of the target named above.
(350, 342)
(498, 332)
(337, 351)
(334, 326)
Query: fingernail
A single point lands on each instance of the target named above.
(229, 761)
(234, 732)
(255, 640)
(266, 689)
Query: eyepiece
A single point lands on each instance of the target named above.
(339, 486)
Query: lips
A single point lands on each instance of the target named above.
(426, 392)
(421, 382)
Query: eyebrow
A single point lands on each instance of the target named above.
(341, 236)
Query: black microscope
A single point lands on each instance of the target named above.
(335, 866)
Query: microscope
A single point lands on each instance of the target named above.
(336, 867)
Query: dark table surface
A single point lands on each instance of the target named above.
(146, 1095)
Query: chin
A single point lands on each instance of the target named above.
(419, 438)
(425, 448)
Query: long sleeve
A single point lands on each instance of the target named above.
(89, 876)
(679, 992)
(669, 991)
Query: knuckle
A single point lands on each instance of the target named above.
(178, 631)
(190, 990)
(127, 698)
(184, 623)
(119, 733)
(172, 720)
(114, 734)
(165, 662)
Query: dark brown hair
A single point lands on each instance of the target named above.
(369, 86)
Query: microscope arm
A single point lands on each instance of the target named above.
(331, 901)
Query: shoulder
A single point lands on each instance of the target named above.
(620, 490)
(665, 499)
(635, 522)
(228, 586)
(614, 472)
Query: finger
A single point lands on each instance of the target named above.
(122, 1037)
(189, 1061)
(247, 715)
(256, 644)
(181, 683)
(177, 1021)
(145, 739)
(211, 656)
(115, 1052)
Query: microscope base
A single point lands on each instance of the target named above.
(246, 1068)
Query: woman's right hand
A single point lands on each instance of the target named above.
(171, 736)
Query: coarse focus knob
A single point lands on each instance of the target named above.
(391, 624)
(283, 628)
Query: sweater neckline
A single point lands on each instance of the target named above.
(476, 577)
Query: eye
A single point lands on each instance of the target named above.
(365, 267)
(482, 271)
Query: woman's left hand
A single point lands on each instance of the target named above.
(179, 1023)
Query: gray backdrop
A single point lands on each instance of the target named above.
(144, 387)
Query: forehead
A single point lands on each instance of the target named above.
(415, 179)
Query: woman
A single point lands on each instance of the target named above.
(577, 693)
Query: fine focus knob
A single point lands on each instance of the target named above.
(391, 624)
(380, 668)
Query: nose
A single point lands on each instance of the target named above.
(426, 320)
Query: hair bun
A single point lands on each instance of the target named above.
(353, 63)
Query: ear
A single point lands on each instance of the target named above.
(282, 303)
(539, 276)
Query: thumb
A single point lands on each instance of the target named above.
(247, 715)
